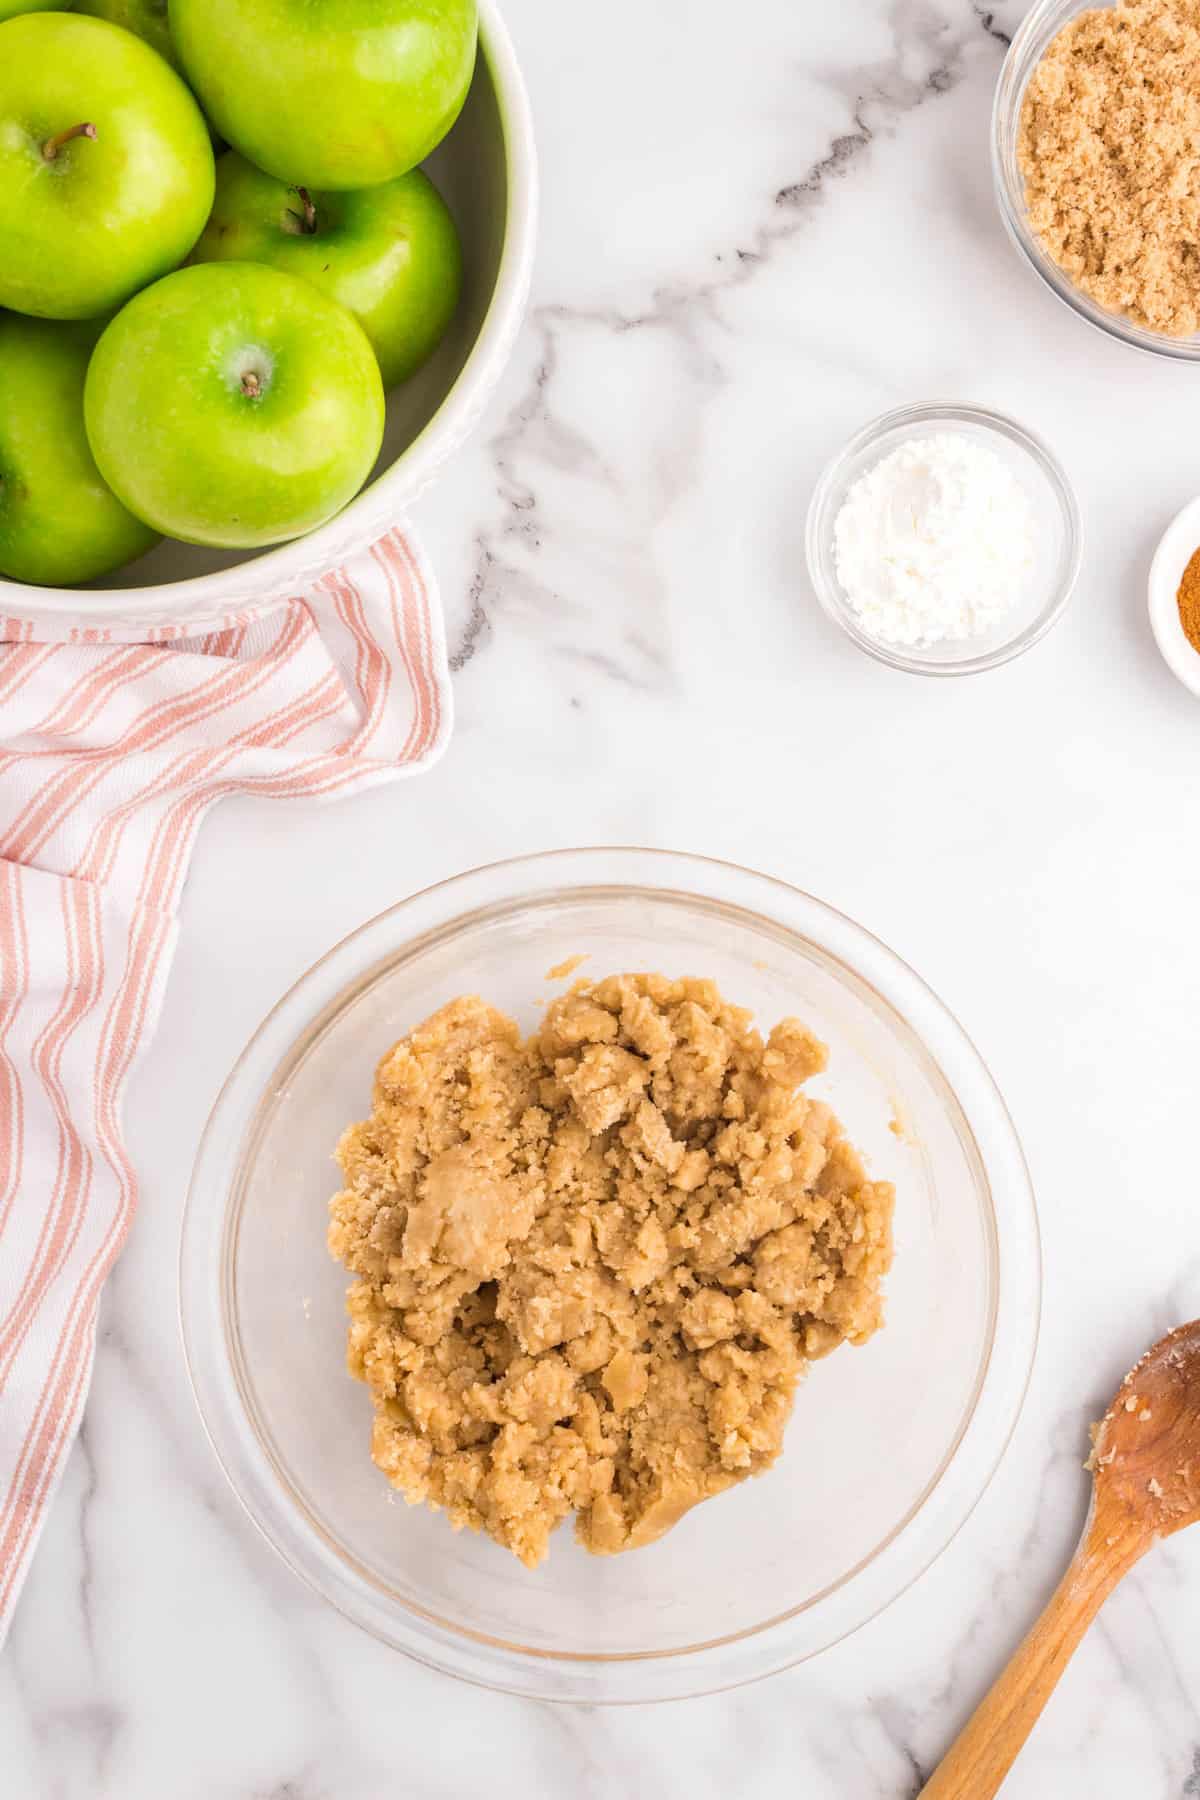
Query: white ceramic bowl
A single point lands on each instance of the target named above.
(487, 170)
(890, 1446)
(1180, 540)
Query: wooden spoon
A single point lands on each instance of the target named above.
(1146, 1484)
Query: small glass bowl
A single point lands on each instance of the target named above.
(1041, 24)
(1057, 525)
(890, 1445)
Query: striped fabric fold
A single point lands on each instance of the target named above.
(111, 752)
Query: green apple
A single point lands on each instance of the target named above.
(106, 169)
(331, 93)
(232, 404)
(388, 253)
(145, 18)
(59, 523)
(10, 8)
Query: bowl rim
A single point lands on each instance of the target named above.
(656, 1675)
(250, 586)
(820, 520)
(1030, 40)
(1175, 548)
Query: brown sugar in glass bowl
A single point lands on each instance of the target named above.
(1108, 148)
(1118, 317)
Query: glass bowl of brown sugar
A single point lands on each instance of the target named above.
(1034, 37)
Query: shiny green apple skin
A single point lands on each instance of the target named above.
(82, 232)
(145, 18)
(330, 93)
(59, 523)
(234, 405)
(390, 254)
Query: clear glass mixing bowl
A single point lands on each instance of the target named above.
(890, 1446)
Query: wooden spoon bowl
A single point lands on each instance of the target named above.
(1145, 1465)
(1146, 1455)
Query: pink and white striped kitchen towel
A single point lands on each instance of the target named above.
(111, 751)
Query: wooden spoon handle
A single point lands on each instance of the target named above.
(986, 1749)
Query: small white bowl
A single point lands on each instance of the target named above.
(1056, 521)
(1179, 541)
(487, 170)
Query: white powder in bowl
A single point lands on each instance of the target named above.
(935, 542)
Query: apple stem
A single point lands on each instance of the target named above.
(308, 223)
(251, 385)
(52, 146)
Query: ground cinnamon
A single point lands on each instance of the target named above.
(1189, 601)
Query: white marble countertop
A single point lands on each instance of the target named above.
(759, 231)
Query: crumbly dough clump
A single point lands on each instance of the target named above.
(1110, 151)
(592, 1265)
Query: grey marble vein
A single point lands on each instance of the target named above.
(85, 1458)
(537, 432)
(987, 18)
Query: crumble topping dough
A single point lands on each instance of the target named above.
(593, 1265)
